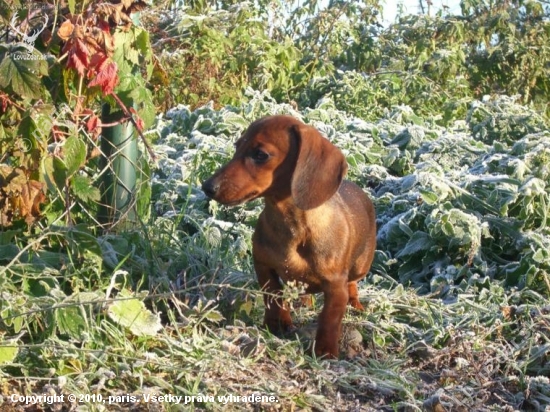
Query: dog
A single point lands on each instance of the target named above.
(316, 227)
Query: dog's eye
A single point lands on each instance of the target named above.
(260, 156)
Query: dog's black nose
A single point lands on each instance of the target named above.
(210, 188)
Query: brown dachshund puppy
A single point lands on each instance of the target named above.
(316, 228)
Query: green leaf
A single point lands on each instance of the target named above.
(233, 119)
(82, 239)
(51, 259)
(71, 322)
(54, 172)
(21, 74)
(146, 107)
(72, 6)
(83, 188)
(8, 352)
(144, 46)
(540, 256)
(8, 252)
(11, 317)
(133, 314)
(126, 54)
(214, 316)
(247, 307)
(518, 273)
(419, 242)
(27, 125)
(144, 189)
(74, 152)
(43, 120)
(428, 196)
(109, 254)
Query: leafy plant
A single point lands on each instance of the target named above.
(219, 51)
(340, 50)
(20, 198)
(50, 115)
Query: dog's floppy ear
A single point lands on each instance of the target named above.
(320, 168)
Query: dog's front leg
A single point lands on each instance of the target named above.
(330, 320)
(354, 296)
(277, 315)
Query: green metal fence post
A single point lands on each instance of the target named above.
(120, 156)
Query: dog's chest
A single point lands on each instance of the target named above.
(302, 251)
(283, 249)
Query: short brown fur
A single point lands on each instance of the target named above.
(316, 228)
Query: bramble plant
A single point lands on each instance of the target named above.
(87, 52)
(305, 52)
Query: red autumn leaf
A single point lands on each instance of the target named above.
(92, 123)
(107, 77)
(4, 100)
(58, 134)
(101, 35)
(139, 123)
(98, 63)
(78, 55)
(104, 26)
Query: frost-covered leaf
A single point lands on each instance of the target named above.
(131, 313)
(8, 351)
(419, 242)
(71, 322)
(459, 196)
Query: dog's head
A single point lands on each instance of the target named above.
(279, 157)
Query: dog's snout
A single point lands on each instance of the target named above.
(210, 188)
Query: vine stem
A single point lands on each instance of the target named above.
(131, 118)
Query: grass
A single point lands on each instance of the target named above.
(486, 350)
